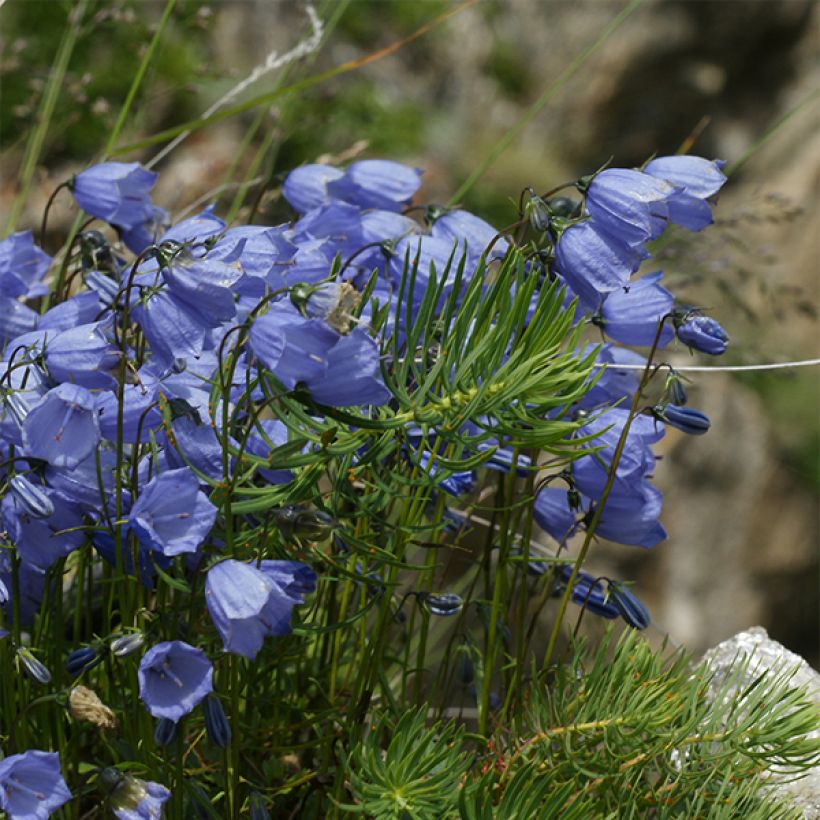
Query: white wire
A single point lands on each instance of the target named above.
(717, 369)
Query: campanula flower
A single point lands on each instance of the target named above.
(702, 333)
(31, 785)
(172, 515)
(15, 319)
(696, 180)
(631, 316)
(687, 419)
(305, 188)
(216, 721)
(292, 347)
(353, 374)
(588, 592)
(147, 233)
(62, 428)
(629, 206)
(83, 355)
(132, 798)
(460, 226)
(117, 192)
(376, 183)
(173, 678)
(592, 264)
(248, 603)
(22, 267)
(631, 514)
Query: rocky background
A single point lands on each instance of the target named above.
(741, 503)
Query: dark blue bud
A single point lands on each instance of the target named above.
(36, 670)
(165, 732)
(701, 333)
(82, 659)
(127, 644)
(32, 498)
(216, 721)
(628, 605)
(443, 604)
(562, 206)
(686, 419)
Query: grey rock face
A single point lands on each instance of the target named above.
(768, 655)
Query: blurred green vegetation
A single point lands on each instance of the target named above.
(112, 38)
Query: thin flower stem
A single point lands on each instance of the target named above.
(599, 507)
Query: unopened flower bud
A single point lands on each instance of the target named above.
(165, 732)
(701, 333)
(127, 644)
(443, 604)
(628, 605)
(216, 721)
(258, 809)
(35, 669)
(686, 419)
(32, 498)
(82, 659)
(675, 392)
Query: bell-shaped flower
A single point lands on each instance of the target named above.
(249, 603)
(62, 427)
(22, 267)
(305, 188)
(696, 180)
(32, 785)
(81, 309)
(117, 192)
(172, 515)
(703, 333)
(173, 678)
(15, 319)
(629, 206)
(269, 434)
(631, 514)
(195, 228)
(631, 316)
(83, 355)
(463, 227)
(592, 264)
(42, 540)
(204, 286)
(376, 183)
(292, 347)
(353, 376)
(172, 329)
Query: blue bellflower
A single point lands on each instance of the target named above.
(62, 427)
(22, 267)
(629, 206)
(31, 785)
(173, 678)
(172, 515)
(249, 603)
(117, 192)
(696, 181)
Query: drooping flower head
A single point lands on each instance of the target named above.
(247, 603)
(117, 192)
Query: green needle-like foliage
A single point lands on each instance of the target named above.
(417, 776)
(626, 732)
